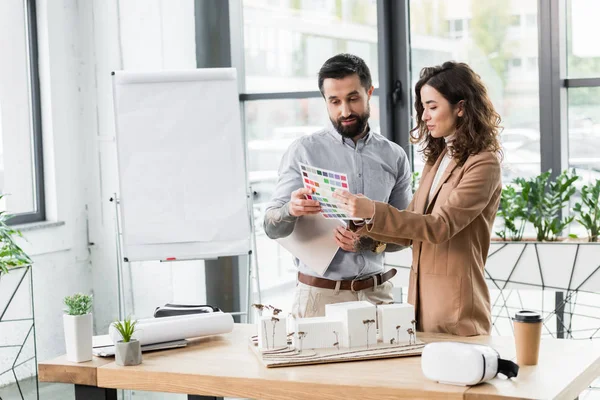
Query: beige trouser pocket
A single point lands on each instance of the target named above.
(381, 294)
(310, 301)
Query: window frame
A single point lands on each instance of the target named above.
(36, 122)
(394, 69)
(239, 63)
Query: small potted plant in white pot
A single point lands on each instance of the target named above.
(78, 325)
(127, 350)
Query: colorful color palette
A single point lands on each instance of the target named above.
(323, 183)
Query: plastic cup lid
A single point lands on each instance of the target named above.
(527, 316)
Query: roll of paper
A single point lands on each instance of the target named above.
(166, 329)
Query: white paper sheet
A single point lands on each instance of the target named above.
(166, 329)
(182, 170)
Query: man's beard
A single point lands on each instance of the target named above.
(355, 129)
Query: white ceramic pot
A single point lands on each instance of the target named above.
(78, 337)
(128, 353)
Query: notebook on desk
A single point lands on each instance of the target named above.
(103, 347)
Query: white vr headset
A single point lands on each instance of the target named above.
(464, 364)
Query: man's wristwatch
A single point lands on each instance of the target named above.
(378, 247)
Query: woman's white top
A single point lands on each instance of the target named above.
(442, 168)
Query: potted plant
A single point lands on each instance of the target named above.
(78, 325)
(545, 199)
(589, 210)
(17, 322)
(127, 350)
(548, 260)
(11, 255)
(512, 211)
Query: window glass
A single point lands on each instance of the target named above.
(17, 178)
(286, 42)
(583, 30)
(502, 50)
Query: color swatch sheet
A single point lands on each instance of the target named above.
(324, 183)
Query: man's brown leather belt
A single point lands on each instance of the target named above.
(355, 285)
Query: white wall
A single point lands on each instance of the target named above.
(80, 43)
(129, 35)
(60, 253)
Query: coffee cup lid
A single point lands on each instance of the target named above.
(527, 316)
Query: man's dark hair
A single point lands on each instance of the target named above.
(343, 65)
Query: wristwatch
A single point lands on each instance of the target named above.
(378, 247)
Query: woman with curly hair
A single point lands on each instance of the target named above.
(450, 218)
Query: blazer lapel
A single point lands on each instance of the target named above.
(451, 166)
(425, 185)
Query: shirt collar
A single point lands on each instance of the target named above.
(336, 135)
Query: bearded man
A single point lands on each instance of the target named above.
(375, 167)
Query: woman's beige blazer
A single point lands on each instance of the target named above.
(450, 239)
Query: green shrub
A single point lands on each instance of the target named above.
(125, 328)
(589, 211)
(78, 304)
(11, 255)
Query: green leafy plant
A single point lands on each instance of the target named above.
(414, 181)
(11, 255)
(78, 304)
(589, 211)
(545, 199)
(512, 210)
(125, 328)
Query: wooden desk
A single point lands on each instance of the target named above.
(225, 366)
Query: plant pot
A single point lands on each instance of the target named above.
(128, 353)
(78, 337)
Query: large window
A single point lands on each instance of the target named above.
(287, 41)
(583, 93)
(583, 62)
(583, 30)
(499, 40)
(285, 44)
(20, 136)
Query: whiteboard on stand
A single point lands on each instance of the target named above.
(182, 170)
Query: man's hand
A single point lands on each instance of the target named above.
(299, 206)
(346, 239)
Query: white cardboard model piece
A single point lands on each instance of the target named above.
(393, 321)
(318, 333)
(358, 320)
(272, 333)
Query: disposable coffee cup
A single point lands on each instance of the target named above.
(528, 332)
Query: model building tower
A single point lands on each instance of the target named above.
(393, 321)
(272, 333)
(358, 322)
(319, 333)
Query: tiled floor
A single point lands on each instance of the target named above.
(53, 391)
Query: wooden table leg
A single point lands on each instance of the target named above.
(83, 392)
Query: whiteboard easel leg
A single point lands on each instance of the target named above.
(121, 297)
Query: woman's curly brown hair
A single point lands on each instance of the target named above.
(476, 131)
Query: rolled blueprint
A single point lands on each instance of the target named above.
(166, 329)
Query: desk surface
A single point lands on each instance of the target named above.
(224, 366)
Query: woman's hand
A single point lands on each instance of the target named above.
(355, 205)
